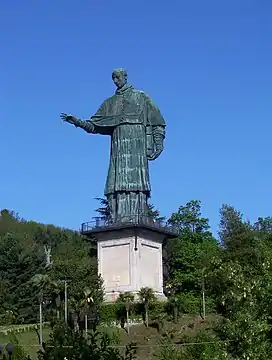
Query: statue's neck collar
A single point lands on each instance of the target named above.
(123, 89)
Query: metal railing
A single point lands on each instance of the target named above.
(132, 220)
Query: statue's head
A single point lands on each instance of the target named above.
(119, 77)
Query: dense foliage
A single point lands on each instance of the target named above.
(230, 277)
(24, 271)
(64, 343)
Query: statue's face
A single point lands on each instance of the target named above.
(119, 79)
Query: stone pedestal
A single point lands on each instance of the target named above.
(129, 258)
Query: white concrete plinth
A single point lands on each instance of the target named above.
(129, 259)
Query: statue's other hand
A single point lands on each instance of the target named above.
(68, 118)
(155, 155)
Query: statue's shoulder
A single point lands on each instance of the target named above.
(142, 94)
(147, 98)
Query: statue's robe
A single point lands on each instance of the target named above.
(128, 117)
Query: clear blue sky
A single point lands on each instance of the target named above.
(207, 64)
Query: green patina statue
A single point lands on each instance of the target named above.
(137, 131)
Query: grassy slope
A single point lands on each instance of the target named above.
(27, 339)
(146, 338)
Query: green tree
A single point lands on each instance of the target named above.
(264, 225)
(104, 209)
(73, 262)
(240, 282)
(85, 304)
(199, 346)
(9, 222)
(188, 257)
(19, 261)
(155, 213)
(127, 298)
(22, 256)
(233, 230)
(174, 303)
(189, 220)
(146, 296)
(65, 343)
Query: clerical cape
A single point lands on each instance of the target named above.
(131, 119)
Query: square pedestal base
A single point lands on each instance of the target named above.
(130, 259)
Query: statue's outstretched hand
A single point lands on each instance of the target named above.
(68, 118)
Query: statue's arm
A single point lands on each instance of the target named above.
(157, 122)
(86, 125)
(158, 136)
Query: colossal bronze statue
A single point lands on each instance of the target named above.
(137, 131)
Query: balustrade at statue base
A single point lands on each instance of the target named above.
(130, 254)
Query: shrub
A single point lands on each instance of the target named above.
(189, 303)
(7, 318)
(203, 346)
(66, 343)
(108, 313)
(112, 313)
(18, 352)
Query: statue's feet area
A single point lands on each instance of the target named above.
(134, 219)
